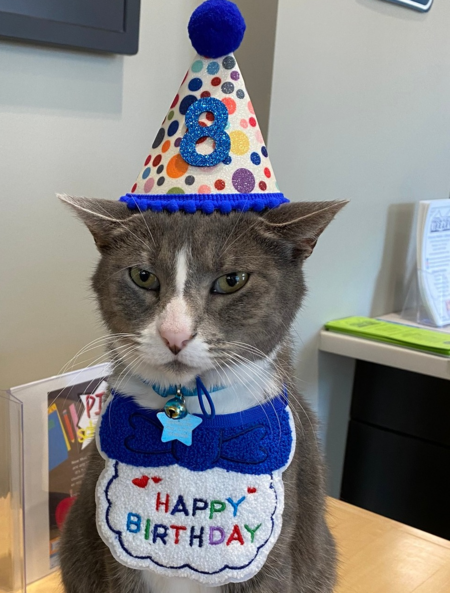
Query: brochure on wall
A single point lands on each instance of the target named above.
(433, 259)
(59, 418)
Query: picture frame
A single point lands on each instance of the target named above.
(110, 26)
(54, 407)
(420, 5)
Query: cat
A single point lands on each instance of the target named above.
(184, 295)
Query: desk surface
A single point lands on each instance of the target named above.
(377, 555)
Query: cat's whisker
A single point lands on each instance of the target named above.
(119, 355)
(280, 372)
(258, 368)
(270, 376)
(262, 354)
(122, 224)
(94, 345)
(247, 230)
(145, 222)
(231, 232)
(69, 393)
(102, 358)
(116, 348)
(97, 343)
(240, 380)
(233, 386)
(99, 359)
(250, 348)
(259, 381)
(292, 396)
(127, 370)
(105, 339)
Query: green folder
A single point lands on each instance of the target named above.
(392, 333)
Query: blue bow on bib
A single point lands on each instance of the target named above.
(256, 441)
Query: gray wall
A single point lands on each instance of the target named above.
(256, 55)
(360, 110)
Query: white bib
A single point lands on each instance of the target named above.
(210, 512)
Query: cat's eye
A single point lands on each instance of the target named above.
(230, 283)
(144, 279)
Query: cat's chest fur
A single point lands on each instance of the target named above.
(159, 584)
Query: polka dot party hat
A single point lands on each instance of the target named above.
(209, 154)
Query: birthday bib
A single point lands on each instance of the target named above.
(211, 511)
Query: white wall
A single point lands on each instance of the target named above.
(256, 54)
(360, 110)
(79, 123)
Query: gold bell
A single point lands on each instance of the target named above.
(175, 408)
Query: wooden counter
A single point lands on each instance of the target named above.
(377, 555)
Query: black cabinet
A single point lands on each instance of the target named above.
(397, 460)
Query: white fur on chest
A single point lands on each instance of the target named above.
(159, 584)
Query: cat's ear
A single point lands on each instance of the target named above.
(301, 223)
(103, 218)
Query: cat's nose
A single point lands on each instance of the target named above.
(176, 341)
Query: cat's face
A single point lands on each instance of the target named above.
(187, 295)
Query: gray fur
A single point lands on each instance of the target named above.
(272, 247)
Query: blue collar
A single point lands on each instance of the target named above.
(255, 441)
(172, 389)
(200, 391)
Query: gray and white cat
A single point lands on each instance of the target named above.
(215, 296)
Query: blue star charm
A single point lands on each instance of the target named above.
(178, 430)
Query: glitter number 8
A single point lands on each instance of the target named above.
(216, 131)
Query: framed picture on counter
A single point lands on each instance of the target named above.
(421, 5)
(100, 25)
(59, 419)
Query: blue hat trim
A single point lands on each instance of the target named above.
(206, 203)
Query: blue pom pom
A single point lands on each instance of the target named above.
(155, 206)
(225, 207)
(216, 28)
(190, 207)
(172, 206)
(258, 205)
(207, 207)
(273, 203)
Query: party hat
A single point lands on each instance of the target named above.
(209, 153)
